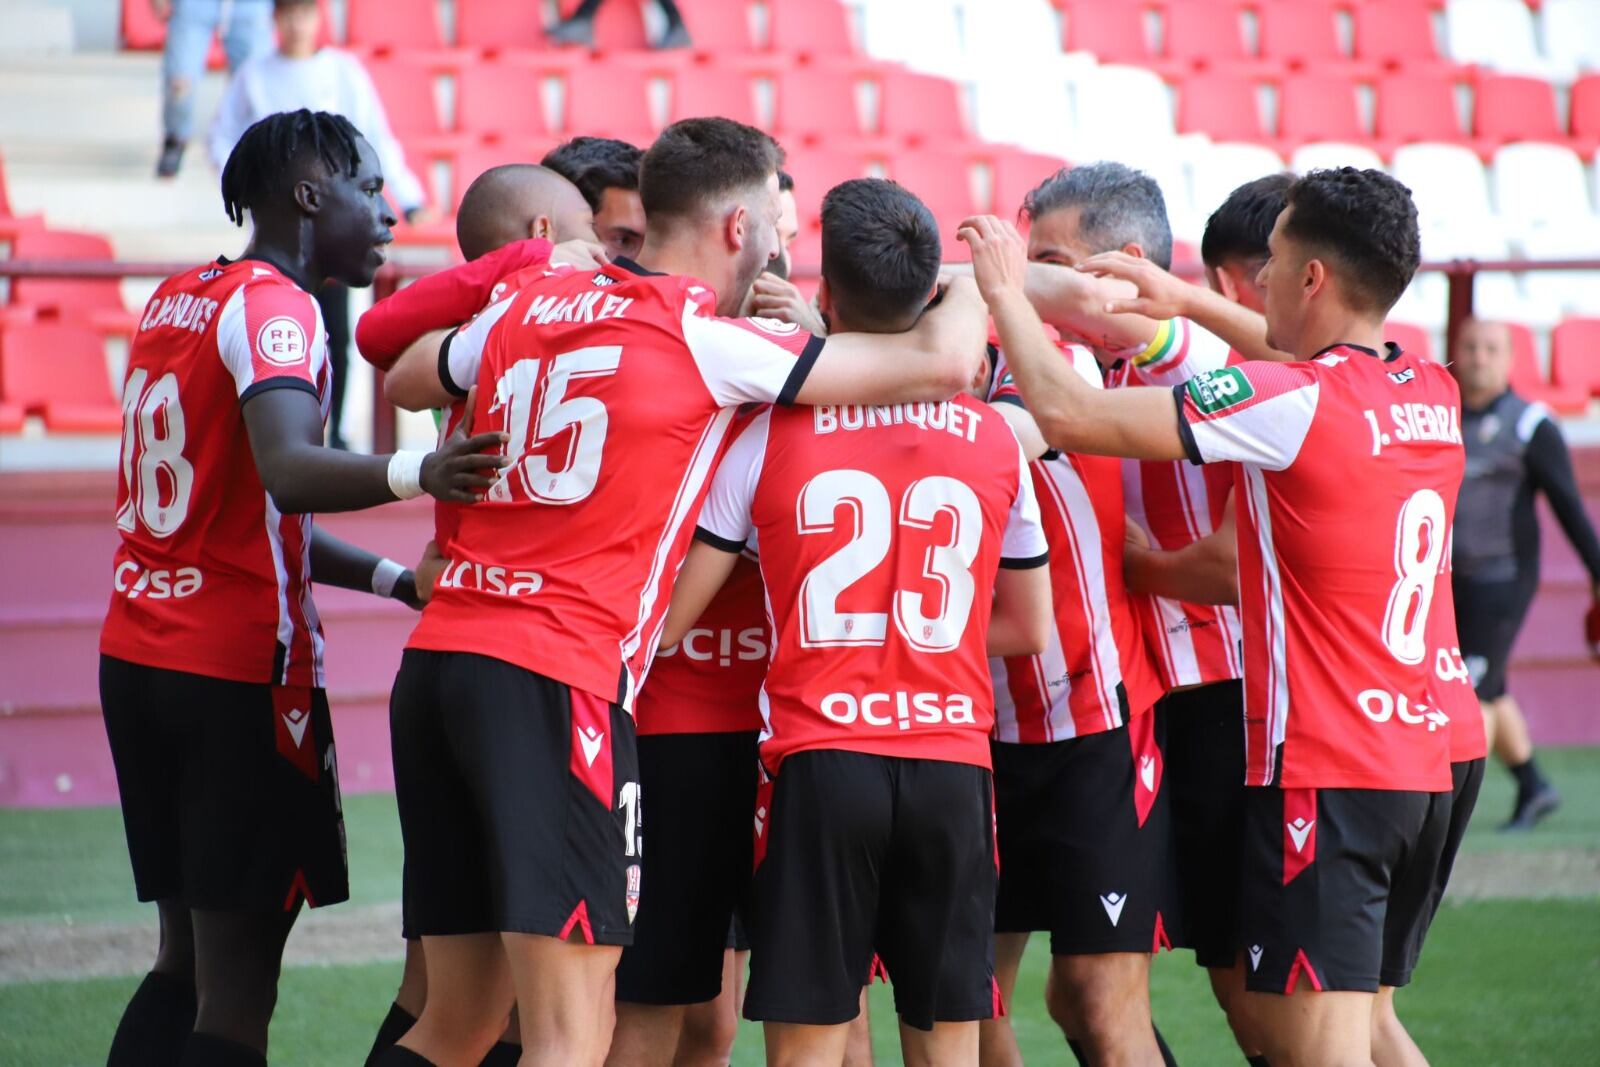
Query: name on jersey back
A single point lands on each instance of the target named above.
(184, 311)
(951, 418)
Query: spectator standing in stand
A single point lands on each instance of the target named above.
(245, 27)
(1514, 449)
(300, 74)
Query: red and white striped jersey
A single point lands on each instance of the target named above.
(1176, 504)
(1095, 671)
(1349, 465)
(881, 530)
(618, 389)
(209, 578)
(710, 682)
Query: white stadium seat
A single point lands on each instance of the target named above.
(1575, 292)
(1328, 154)
(1497, 34)
(1539, 183)
(1571, 32)
(1450, 188)
(1225, 167)
(1121, 112)
(925, 35)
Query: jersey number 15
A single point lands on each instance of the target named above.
(516, 393)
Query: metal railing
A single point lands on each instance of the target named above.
(1461, 274)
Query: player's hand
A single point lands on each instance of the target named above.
(999, 255)
(1161, 295)
(426, 573)
(773, 297)
(584, 255)
(460, 471)
(1134, 534)
(162, 9)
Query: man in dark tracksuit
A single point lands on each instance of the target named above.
(1514, 449)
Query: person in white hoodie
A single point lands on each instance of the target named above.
(299, 74)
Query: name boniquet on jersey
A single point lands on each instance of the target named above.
(208, 577)
(618, 388)
(1176, 504)
(867, 514)
(1349, 465)
(1095, 672)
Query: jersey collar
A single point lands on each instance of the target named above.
(1391, 351)
(626, 264)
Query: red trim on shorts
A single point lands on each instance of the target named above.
(1160, 940)
(580, 919)
(1299, 831)
(591, 743)
(1147, 766)
(293, 729)
(878, 972)
(298, 887)
(1302, 965)
(763, 819)
(999, 1001)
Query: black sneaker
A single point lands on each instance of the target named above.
(676, 36)
(171, 158)
(576, 31)
(1533, 806)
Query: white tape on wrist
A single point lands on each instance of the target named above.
(405, 474)
(385, 575)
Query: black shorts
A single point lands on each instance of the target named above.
(519, 802)
(1327, 874)
(1086, 848)
(230, 790)
(863, 854)
(702, 790)
(1402, 944)
(1488, 617)
(1205, 777)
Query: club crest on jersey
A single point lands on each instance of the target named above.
(1219, 390)
(631, 899)
(281, 341)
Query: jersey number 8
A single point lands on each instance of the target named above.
(822, 624)
(516, 392)
(1418, 550)
(157, 477)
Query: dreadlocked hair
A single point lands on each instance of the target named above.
(259, 166)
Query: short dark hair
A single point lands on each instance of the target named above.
(1365, 223)
(785, 182)
(1240, 227)
(697, 162)
(595, 164)
(1120, 206)
(261, 165)
(880, 252)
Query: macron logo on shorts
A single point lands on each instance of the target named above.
(295, 719)
(1147, 772)
(591, 740)
(1255, 957)
(1113, 903)
(1299, 829)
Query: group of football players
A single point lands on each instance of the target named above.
(1041, 592)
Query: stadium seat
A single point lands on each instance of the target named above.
(1007, 36)
(1111, 32)
(719, 27)
(501, 101)
(1319, 107)
(1452, 195)
(817, 105)
(1206, 35)
(470, 162)
(142, 31)
(1575, 355)
(809, 28)
(1571, 33)
(1516, 108)
(1529, 380)
(382, 26)
(95, 302)
(1571, 291)
(1585, 114)
(1225, 167)
(922, 109)
(1497, 34)
(1540, 184)
(1416, 107)
(814, 173)
(726, 91)
(58, 371)
(925, 35)
(943, 181)
(1223, 106)
(1328, 154)
(608, 100)
(618, 25)
(500, 25)
(1399, 36)
(406, 89)
(1142, 112)
(1304, 35)
(1012, 175)
(1411, 338)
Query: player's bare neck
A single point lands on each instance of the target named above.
(672, 254)
(1345, 329)
(286, 251)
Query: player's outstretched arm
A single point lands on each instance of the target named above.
(412, 382)
(1202, 572)
(1020, 622)
(1027, 431)
(1138, 423)
(337, 562)
(1076, 305)
(285, 428)
(705, 570)
(934, 360)
(1163, 295)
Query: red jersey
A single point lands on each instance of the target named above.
(880, 531)
(618, 389)
(710, 682)
(1095, 671)
(209, 577)
(1348, 470)
(1452, 681)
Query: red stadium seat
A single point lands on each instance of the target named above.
(817, 104)
(1302, 34)
(86, 301)
(406, 88)
(609, 100)
(1399, 36)
(943, 181)
(809, 28)
(1575, 355)
(1413, 339)
(501, 101)
(618, 25)
(58, 371)
(923, 109)
(468, 163)
(1209, 35)
(381, 26)
(1416, 107)
(1529, 380)
(1222, 105)
(814, 173)
(1513, 108)
(1111, 32)
(1585, 114)
(498, 25)
(719, 27)
(724, 91)
(1013, 175)
(1318, 107)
